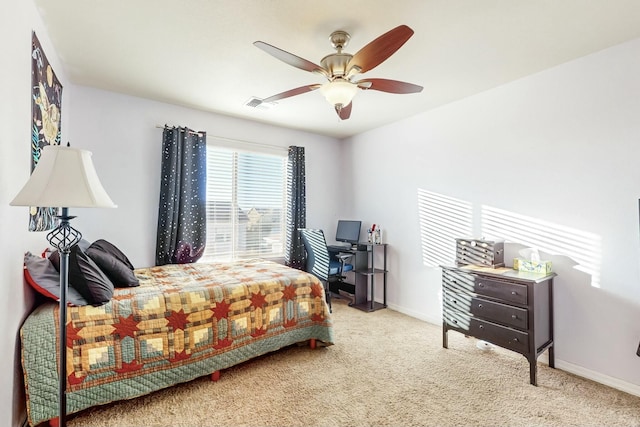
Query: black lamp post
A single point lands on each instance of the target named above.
(64, 177)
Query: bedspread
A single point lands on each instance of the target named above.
(182, 322)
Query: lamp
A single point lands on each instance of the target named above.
(339, 92)
(64, 177)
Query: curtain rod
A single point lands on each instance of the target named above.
(180, 129)
(222, 138)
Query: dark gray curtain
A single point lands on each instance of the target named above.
(295, 255)
(182, 215)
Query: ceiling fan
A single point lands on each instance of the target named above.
(341, 69)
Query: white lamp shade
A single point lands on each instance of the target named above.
(64, 177)
(339, 92)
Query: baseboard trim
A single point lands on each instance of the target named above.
(416, 314)
(598, 377)
(580, 371)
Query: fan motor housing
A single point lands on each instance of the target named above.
(336, 63)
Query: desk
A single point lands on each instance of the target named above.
(365, 272)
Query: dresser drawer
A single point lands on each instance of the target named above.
(488, 310)
(500, 313)
(457, 319)
(509, 292)
(499, 335)
(460, 301)
(459, 282)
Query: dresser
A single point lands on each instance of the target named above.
(506, 307)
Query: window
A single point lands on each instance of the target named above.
(246, 204)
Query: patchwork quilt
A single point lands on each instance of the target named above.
(182, 322)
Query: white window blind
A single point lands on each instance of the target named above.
(246, 204)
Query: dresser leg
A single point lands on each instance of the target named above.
(552, 357)
(533, 371)
(445, 341)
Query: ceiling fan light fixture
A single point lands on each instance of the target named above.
(339, 92)
(340, 69)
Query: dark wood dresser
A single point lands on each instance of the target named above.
(506, 307)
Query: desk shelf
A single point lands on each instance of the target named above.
(369, 306)
(371, 271)
(365, 277)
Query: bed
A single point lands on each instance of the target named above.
(182, 322)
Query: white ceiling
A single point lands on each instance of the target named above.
(200, 53)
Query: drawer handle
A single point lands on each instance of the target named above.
(481, 326)
(513, 316)
(481, 285)
(514, 293)
(516, 340)
(479, 305)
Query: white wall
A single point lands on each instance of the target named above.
(561, 149)
(17, 20)
(121, 132)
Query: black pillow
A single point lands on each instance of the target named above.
(87, 278)
(54, 257)
(55, 260)
(117, 271)
(111, 249)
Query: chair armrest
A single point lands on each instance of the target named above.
(344, 256)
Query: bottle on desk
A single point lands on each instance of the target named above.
(378, 236)
(373, 232)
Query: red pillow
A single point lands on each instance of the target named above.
(44, 279)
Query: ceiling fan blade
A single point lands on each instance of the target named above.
(292, 92)
(380, 49)
(291, 59)
(345, 112)
(386, 85)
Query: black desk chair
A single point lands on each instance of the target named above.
(329, 268)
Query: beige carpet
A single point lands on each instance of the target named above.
(386, 369)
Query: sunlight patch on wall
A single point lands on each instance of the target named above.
(582, 247)
(442, 220)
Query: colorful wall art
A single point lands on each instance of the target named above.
(46, 103)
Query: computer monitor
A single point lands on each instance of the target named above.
(348, 231)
